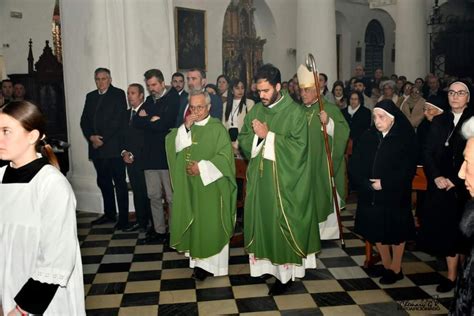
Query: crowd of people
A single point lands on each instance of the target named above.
(178, 147)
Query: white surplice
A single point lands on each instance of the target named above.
(38, 239)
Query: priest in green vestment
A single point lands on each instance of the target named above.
(338, 134)
(202, 169)
(280, 230)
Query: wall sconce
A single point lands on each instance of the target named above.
(358, 52)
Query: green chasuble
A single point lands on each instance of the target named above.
(322, 190)
(279, 222)
(203, 217)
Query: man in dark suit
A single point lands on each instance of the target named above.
(196, 79)
(132, 154)
(156, 117)
(177, 81)
(102, 120)
(435, 94)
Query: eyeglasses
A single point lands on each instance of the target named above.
(197, 108)
(461, 93)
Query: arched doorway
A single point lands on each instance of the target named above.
(374, 44)
(242, 50)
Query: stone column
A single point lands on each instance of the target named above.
(124, 37)
(316, 34)
(411, 58)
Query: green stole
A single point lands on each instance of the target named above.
(279, 222)
(322, 189)
(203, 217)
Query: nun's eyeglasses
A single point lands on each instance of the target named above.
(460, 93)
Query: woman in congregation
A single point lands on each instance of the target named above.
(357, 116)
(211, 88)
(388, 91)
(222, 84)
(382, 167)
(405, 93)
(446, 196)
(413, 105)
(338, 95)
(40, 260)
(235, 109)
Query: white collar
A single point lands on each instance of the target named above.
(137, 108)
(272, 105)
(203, 122)
(101, 93)
(352, 111)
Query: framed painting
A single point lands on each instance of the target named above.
(191, 38)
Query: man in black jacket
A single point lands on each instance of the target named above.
(196, 79)
(177, 81)
(132, 153)
(103, 118)
(156, 117)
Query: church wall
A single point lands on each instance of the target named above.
(35, 24)
(358, 17)
(275, 21)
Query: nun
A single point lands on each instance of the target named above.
(382, 167)
(446, 196)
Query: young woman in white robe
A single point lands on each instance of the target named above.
(40, 261)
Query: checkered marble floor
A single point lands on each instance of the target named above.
(123, 278)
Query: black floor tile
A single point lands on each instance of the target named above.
(96, 243)
(86, 214)
(107, 288)
(425, 278)
(103, 312)
(349, 236)
(358, 284)
(88, 278)
(140, 299)
(218, 293)
(125, 236)
(102, 231)
(302, 312)
(330, 244)
(119, 250)
(175, 264)
(318, 274)
(114, 267)
(374, 271)
(355, 251)
(296, 287)
(83, 225)
(256, 304)
(389, 308)
(332, 299)
(239, 259)
(177, 284)
(144, 275)
(338, 262)
(244, 279)
(185, 309)
(142, 257)
(409, 257)
(407, 293)
(91, 259)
